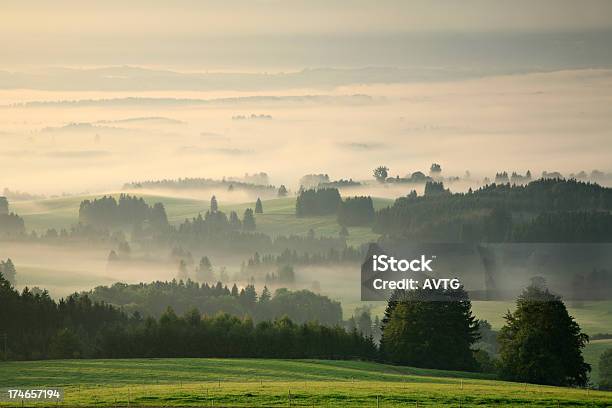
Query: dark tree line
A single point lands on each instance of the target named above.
(320, 201)
(293, 257)
(193, 335)
(151, 299)
(37, 327)
(566, 226)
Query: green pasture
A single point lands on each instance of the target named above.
(279, 383)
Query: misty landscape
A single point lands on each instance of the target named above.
(206, 190)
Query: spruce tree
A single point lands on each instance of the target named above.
(258, 207)
(430, 329)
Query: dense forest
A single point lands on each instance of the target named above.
(548, 209)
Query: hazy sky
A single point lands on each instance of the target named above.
(221, 34)
(483, 86)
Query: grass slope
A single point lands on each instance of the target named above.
(278, 218)
(256, 382)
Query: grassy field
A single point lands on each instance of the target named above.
(281, 383)
(278, 218)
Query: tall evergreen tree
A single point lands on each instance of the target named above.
(214, 206)
(258, 207)
(282, 191)
(430, 328)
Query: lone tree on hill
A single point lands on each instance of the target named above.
(282, 191)
(214, 206)
(381, 173)
(435, 170)
(541, 343)
(258, 207)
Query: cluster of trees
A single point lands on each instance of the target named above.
(320, 201)
(216, 228)
(540, 342)
(106, 212)
(575, 208)
(151, 299)
(355, 211)
(515, 178)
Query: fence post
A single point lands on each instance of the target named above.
(377, 402)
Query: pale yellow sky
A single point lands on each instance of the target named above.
(209, 33)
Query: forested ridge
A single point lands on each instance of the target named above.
(554, 210)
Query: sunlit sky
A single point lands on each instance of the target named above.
(483, 86)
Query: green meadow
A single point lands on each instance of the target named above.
(279, 383)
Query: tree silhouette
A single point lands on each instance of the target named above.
(541, 343)
(381, 173)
